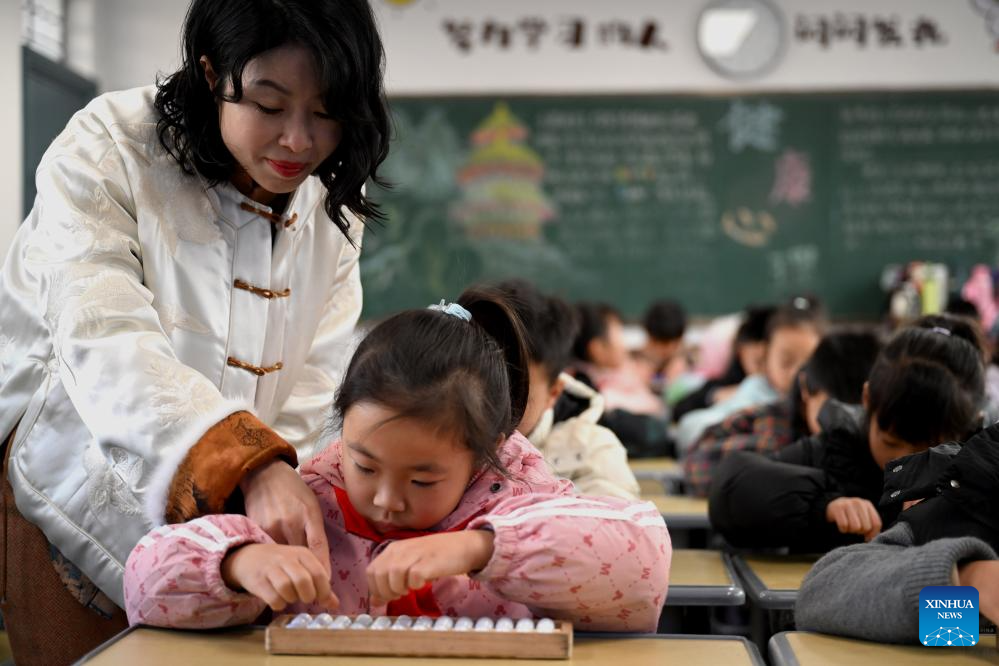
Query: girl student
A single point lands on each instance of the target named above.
(176, 307)
(433, 504)
(792, 334)
(926, 387)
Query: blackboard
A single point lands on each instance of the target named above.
(715, 201)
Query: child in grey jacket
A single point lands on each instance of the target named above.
(950, 537)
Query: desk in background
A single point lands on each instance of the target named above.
(657, 475)
(703, 578)
(245, 647)
(772, 581)
(800, 648)
(682, 513)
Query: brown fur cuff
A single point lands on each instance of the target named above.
(217, 463)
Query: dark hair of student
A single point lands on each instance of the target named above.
(961, 308)
(343, 39)
(593, 323)
(550, 325)
(752, 329)
(928, 384)
(665, 320)
(839, 366)
(800, 311)
(466, 377)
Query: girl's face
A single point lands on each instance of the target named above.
(789, 348)
(886, 447)
(279, 132)
(401, 473)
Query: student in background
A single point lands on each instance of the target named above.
(748, 349)
(665, 323)
(925, 388)
(793, 333)
(578, 449)
(429, 486)
(632, 411)
(837, 369)
(602, 355)
(950, 537)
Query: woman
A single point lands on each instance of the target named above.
(176, 307)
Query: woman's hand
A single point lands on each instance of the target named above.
(279, 575)
(278, 500)
(854, 515)
(412, 563)
(983, 575)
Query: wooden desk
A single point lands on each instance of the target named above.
(655, 468)
(681, 513)
(666, 471)
(703, 578)
(794, 648)
(772, 582)
(245, 647)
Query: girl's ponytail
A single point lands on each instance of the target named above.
(499, 320)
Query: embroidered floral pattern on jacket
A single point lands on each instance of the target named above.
(110, 484)
(178, 393)
(173, 317)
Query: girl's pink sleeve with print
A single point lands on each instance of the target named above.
(173, 577)
(598, 561)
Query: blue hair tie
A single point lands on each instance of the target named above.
(452, 309)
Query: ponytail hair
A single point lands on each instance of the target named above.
(928, 384)
(469, 378)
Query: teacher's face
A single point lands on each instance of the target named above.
(279, 131)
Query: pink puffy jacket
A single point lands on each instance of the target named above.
(602, 563)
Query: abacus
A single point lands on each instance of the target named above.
(420, 637)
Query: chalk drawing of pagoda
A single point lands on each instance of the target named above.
(501, 196)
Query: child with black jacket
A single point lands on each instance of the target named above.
(926, 387)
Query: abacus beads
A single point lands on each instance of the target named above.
(421, 623)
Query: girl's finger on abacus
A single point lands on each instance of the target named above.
(301, 579)
(264, 590)
(397, 580)
(320, 580)
(378, 583)
(282, 584)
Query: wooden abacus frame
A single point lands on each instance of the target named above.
(430, 643)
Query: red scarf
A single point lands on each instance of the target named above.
(417, 602)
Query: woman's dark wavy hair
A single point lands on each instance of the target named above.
(343, 39)
(928, 384)
(469, 378)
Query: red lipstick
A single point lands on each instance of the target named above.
(287, 169)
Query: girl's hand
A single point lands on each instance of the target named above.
(278, 500)
(279, 575)
(412, 563)
(854, 515)
(984, 576)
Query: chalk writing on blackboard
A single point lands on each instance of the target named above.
(752, 126)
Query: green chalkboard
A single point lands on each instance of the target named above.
(715, 201)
